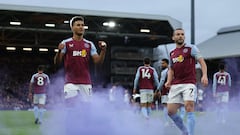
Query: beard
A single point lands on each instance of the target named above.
(180, 42)
(79, 34)
(164, 68)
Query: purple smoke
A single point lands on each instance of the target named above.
(106, 118)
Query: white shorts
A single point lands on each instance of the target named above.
(84, 91)
(179, 93)
(222, 97)
(164, 99)
(39, 99)
(146, 96)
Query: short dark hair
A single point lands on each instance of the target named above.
(221, 66)
(177, 29)
(40, 68)
(165, 60)
(74, 19)
(146, 60)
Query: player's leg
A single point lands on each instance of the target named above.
(149, 108)
(165, 115)
(164, 99)
(189, 97)
(218, 100)
(41, 111)
(84, 99)
(42, 101)
(221, 113)
(225, 100)
(143, 103)
(71, 92)
(182, 111)
(172, 112)
(190, 116)
(35, 108)
(85, 92)
(150, 96)
(144, 110)
(137, 103)
(174, 101)
(78, 98)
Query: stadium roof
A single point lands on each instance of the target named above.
(224, 44)
(33, 32)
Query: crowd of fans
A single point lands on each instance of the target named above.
(13, 88)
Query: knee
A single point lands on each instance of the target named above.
(40, 106)
(171, 112)
(189, 107)
(143, 104)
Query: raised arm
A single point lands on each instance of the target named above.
(99, 58)
(59, 55)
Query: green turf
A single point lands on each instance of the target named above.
(18, 123)
(22, 122)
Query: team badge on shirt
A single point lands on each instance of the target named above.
(185, 50)
(86, 45)
(70, 45)
(84, 53)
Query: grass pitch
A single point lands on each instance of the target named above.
(22, 123)
(18, 123)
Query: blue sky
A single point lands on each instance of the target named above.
(210, 15)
